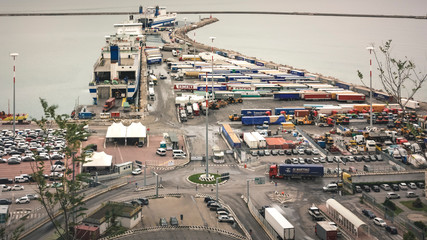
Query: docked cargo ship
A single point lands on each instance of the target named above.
(153, 17)
(117, 71)
(9, 117)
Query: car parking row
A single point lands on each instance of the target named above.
(223, 214)
(391, 189)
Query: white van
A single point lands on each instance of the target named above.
(178, 154)
(20, 179)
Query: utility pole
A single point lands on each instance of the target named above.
(14, 56)
(370, 84)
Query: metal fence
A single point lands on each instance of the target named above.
(269, 230)
(389, 214)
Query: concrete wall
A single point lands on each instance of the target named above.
(130, 222)
(391, 177)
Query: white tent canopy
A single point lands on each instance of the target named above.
(99, 159)
(116, 130)
(136, 130)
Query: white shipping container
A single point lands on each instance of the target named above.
(250, 140)
(262, 143)
(280, 224)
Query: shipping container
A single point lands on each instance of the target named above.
(286, 95)
(296, 171)
(348, 97)
(325, 231)
(261, 140)
(230, 136)
(185, 86)
(311, 95)
(297, 72)
(255, 112)
(216, 88)
(259, 120)
(250, 140)
(301, 113)
(287, 110)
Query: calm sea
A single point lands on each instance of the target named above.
(57, 53)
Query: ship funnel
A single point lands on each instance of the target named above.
(157, 11)
(140, 9)
(130, 17)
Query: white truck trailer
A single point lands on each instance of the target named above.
(262, 143)
(250, 140)
(280, 224)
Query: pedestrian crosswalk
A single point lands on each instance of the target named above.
(28, 214)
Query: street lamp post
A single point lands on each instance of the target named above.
(370, 84)
(14, 56)
(157, 184)
(194, 46)
(212, 39)
(185, 35)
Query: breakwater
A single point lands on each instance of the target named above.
(420, 17)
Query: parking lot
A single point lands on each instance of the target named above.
(193, 210)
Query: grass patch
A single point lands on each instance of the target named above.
(409, 205)
(396, 210)
(195, 178)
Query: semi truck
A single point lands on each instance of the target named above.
(280, 224)
(308, 171)
(109, 104)
(260, 120)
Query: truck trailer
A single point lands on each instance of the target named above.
(325, 231)
(308, 171)
(280, 224)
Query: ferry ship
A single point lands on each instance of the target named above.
(154, 17)
(117, 71)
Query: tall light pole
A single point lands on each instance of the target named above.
(212, 39)
(185, 35)
(14, 56)
(370, 84)
(194, 46)
(207, 125)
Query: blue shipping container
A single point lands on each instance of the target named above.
(254, 112)
(286, 96)
(288, 111)
(259, 120)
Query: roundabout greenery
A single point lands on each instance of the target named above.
(195, 178)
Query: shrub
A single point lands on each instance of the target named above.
(421, 225)
(390, 204)
(417, 203)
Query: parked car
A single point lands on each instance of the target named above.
(5, 188)
(22, 200)
(403, 186)
(223, 218)
(5, 202)
(17, 187)
(412, 185)
(392, 195)
(395, 187)
(358, 189)
(368, 213)
(375, 188)
(208, 199)
(283, 152)
(322, 160)
(32, 196)
(173, 221)
(385, 187)
(137, 171)
(380, 222)
(161, 152)
(261, 153)
(366, 188)
(421, 185)
(267, 152)
(391, 229)
(163, 222)
(411, 195)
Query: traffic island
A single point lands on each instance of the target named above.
(200, 178)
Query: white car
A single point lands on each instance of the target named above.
(412, 185)
(17, 188)
(22, 200)
(380, 222)
(403, 186)
(5, 188)
(137, 171)
(224, 218)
